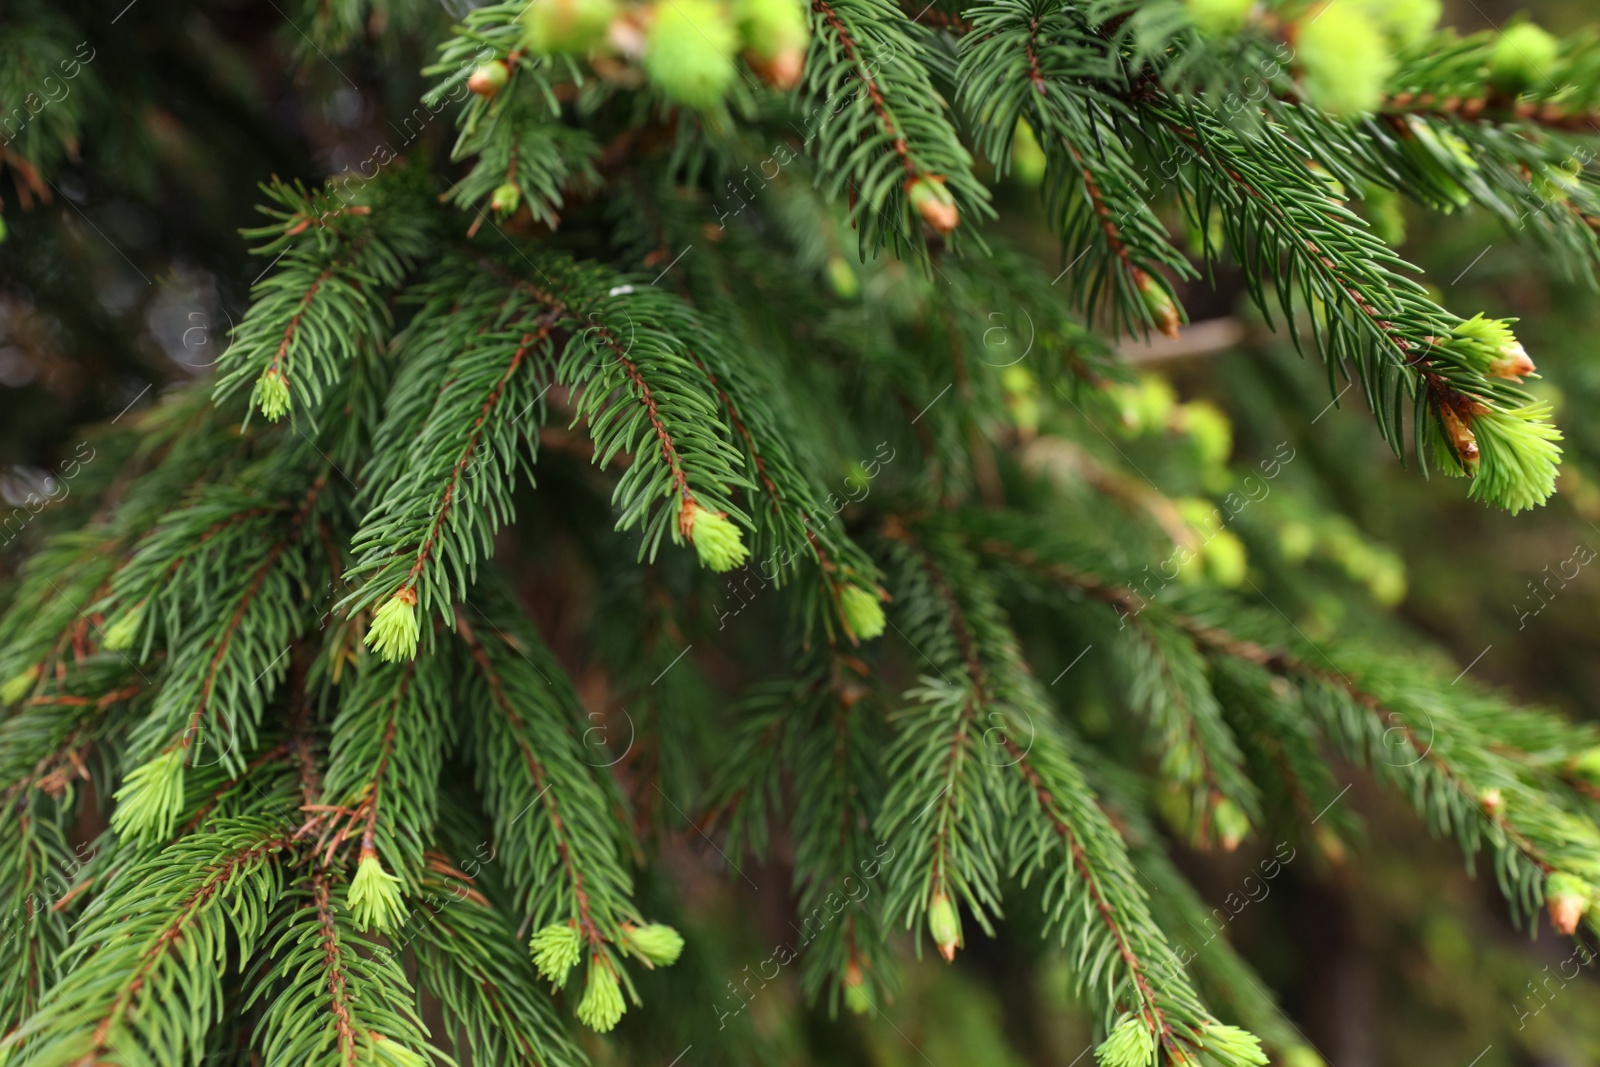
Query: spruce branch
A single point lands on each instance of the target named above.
(879, 131)
(796, 526)
(470, 959)
(1368, 318)
(1220, 973)
(338, 254)
(328, 998)
(227, 659)
(822, 732)
(132, 988)
(1445, 747)
(384, 760)
(636, 384)
(1053, 827)
(186, 760)
(1041, 63)
(554, 823)
(452, 446)
(44, 54)
(942, 813)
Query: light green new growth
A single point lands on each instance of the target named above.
(16, 687)
(151, 797)
(944, 925)
(1130, 1044)
(394, 630)
(1491, 348)
(1344, 58)
(565, 26)
(716, 540)
(555, 951)
(1518, 457)
(374, 897)
(689, 50)
(1219, 17)
(271, 394)
(601, 1007)
(124, 629)
(659, 945)
(771, 27)
(1405, 21)
(1232, 824)
(862, 612)
(1232, 1043)
(1522, 58)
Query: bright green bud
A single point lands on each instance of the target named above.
(1517, 457)
(555, 951)
(271, 394)
(1405, 21)
(857, 1000)
(656, 943)
(716, 540)
(394, 632)
(1130, 1044)
(862, 612)
(374, 897)
(1231, 823)
(17, 686)
(944, 925)
(601, 1007)
(4, 233)
(931, 200)
(1226, 559)
(505, 198)
(1022, 399)
(1587, 764)
(569, 27)
(1147, 406)
(1567, 897)
(1163, 312)
(1386, 581)
(151, 798)
(842, 278)
(1231, 1045)
(1522, 58)
(772, 27)
(856, 997)
(1344, 59)
(1490, 333)
(1492, 348)
(1210, 430)
(689, 52)
(1018, 381)
(1492, 801)
(1295, 541)
(1217, 18)
(491, 77)
(124, 630)
(1027, 158)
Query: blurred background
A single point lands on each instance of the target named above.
(122, 272)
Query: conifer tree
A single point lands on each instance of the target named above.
(683, 307)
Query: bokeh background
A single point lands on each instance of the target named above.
(124, 282)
